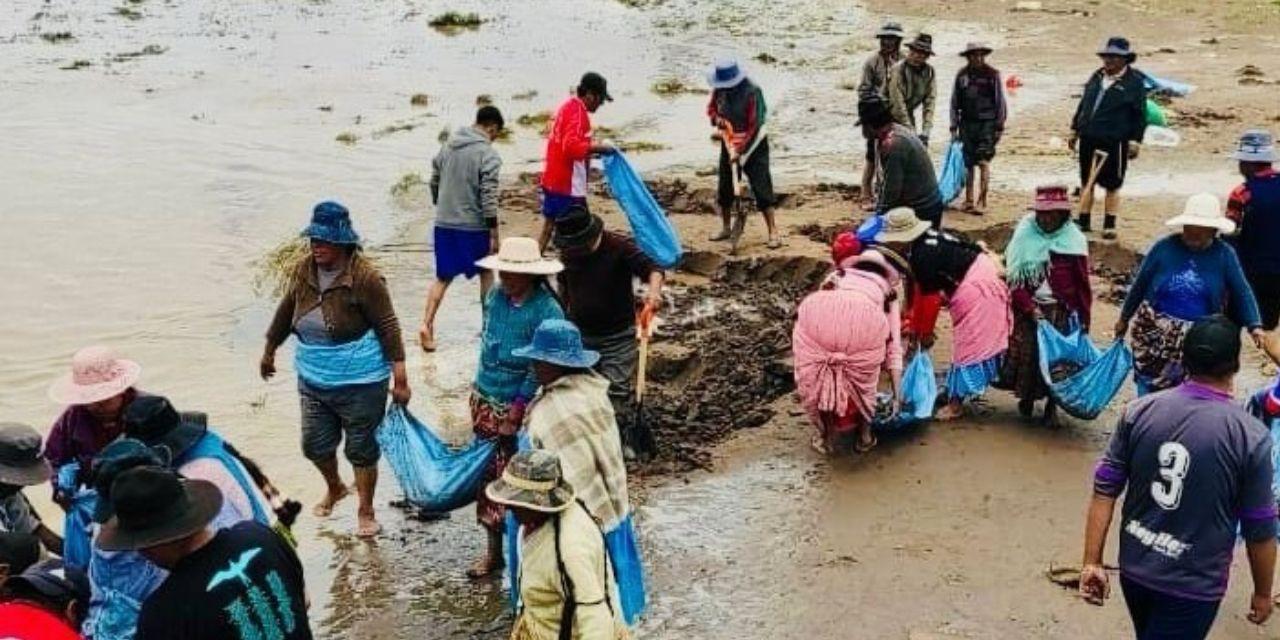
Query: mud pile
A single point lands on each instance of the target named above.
(722, 356)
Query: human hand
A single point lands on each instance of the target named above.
(1094, 585)
(1133, 150)
(1260, 607)
(1259, 338)
(1071, 142)
(927, 340)
(924, 139)
(1121, 329)
(400, 393)
(1037, 314)
(494, 243)
(267, 366)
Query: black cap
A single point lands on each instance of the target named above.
(593, 82)
(1212, 347)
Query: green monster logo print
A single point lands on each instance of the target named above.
(257, 613)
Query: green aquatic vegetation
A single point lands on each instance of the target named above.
(640, 146)
(76, 65)
(526, 95)
(407, 183)
(420, 100)
(539, 119)
(452, 21)
(670, 87)
(484, 100)
(149, 50)
(346, 137)
(128, 13)
(53, 37)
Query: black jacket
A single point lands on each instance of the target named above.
(1122, 113)
(939, 261)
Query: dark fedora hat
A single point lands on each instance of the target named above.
(121, 455)
(577, 228)
(923, 43)
(21, 462)
(154, 421)
(154, 506)
(1118, 46)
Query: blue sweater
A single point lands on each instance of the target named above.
(502, 376)
(1180, 282)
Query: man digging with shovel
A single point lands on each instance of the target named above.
(597, 286)
(738, 110)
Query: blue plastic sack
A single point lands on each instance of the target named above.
(653, 231)
(77, 530)
(868, 229)
(951, 177)
(1159, 85)
(624, 554)
(919, 393)
(1085, 394)
(433, 476)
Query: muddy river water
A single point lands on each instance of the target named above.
(153, 151)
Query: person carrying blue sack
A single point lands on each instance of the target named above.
(573, 418)
(349, 348)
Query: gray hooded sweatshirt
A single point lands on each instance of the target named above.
(464, 182)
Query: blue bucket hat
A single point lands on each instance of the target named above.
(726, 74)
(1256, 145)
(558, 342)
(1118, 46)
(331, 222)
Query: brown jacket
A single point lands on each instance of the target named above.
(357, 301)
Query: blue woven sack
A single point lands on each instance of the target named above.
(433, 475)
(1087, 392)
(654, 233)
(951, 178)
(919, 393)
(77, 546)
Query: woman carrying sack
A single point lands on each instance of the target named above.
(1047, 268)
(846, 334)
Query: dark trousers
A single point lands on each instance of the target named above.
(1266, 289)
(1160, 616)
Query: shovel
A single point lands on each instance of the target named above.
(1099, 159)
(641, 436)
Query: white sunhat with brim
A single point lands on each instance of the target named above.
(1203, 210)
(726, 73)
(97, 374)
(1256, 145)
(901, 225)
(520, 255)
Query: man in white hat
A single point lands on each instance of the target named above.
(875, 82)
(96, 393)
(1255, 208)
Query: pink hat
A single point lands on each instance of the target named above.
(1052, 198)
(96, 374)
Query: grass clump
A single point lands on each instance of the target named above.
(420, 100)
(407, 183)
(346, 137)
(453, 20)
(273, 272)
(765, 58)
(540, 119)
(129, 13)
(670, 87)
(54, 37)
(76, 65)
(526, 95)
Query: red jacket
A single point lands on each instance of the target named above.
(28, 622)
(568, 150)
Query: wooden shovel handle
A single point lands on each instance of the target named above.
(1099, 159)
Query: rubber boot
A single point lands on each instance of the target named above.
(1085, 224)
(1109, 227)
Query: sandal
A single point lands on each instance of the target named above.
(859, 447)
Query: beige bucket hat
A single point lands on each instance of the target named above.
(532, 480)
(901, 225)
(1203, 210)
(520, 255)
(97, 373)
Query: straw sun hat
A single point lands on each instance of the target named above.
(520, 255)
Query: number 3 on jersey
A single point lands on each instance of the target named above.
(1174, 461)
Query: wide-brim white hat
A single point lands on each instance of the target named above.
(1203, 210)
(901, 225)
(97, 373)
(520, 255)
(726, 73)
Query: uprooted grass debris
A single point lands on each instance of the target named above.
(407, 183)
(149, 50)
(420, 100)
(346, 137)
(453, 20)
(128, 13)
(669, 87)
(57, 36)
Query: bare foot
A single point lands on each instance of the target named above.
(722, 236)
(368, 527)
(949, 413)
(324, 508)
(484, 567)
(426, 337)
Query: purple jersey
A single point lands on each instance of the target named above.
(1197, 468)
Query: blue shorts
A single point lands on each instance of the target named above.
(555, 205)
(457, 251)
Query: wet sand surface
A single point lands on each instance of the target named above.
(143, 187)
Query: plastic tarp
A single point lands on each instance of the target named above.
(919, 393)
(653, 232)
(951, 177)
(1087, 392)
(122, 581)
(433, 475)
(78, 523)
(1157, 84)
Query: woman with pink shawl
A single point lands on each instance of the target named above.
(846, 333)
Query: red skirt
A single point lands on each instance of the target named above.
(489, 421)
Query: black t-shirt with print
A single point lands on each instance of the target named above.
(245, 583)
